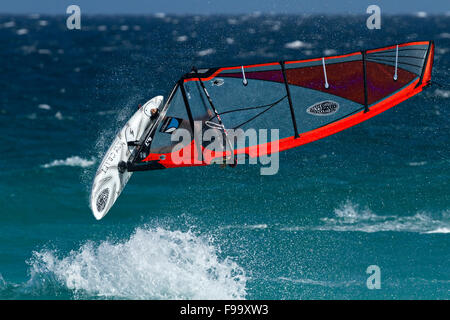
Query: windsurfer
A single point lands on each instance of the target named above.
(154, 113)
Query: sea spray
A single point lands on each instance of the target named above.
(105, 136)
(153, 263)
(350, 217)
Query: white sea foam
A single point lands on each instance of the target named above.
(442, 51)
(106, 112)
(276, 26)
(229, 40)
(440, 230)
(297, 44)
(442, 93)
(74, 161)
(151, 264)
(257, 226)
(22, 32)
(59, 116)
(321, 283)
(44, 106)
(329, 52)
(247, 226)
(421, 14)
(9, 24)
(2, 281)
(28, 49)
(160, 15)
(206, 52)
(182, 38)
(350, 217)
(44, 51)
(417, 163)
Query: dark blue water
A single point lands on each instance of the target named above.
(375, 194)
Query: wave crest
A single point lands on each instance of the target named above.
(350, 217)
(74, 161)
(151, 264)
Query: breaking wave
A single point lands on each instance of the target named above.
(151, 264)
(74, 161)
(350, 217)
(439, 230)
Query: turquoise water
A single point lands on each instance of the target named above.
(375, 194)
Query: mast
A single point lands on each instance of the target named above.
(294, 122)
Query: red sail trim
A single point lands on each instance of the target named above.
(219, 70)
(232, 68)
(417, 43)
(188, 156)
(429, 66)
(326, 58)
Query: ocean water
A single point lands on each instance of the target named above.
(375, 194)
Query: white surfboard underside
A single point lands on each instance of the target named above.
(108, 181)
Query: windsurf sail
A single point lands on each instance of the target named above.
(305, 100)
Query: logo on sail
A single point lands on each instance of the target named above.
(323, 108)
(217, 82)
